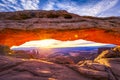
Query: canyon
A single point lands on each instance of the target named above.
(104, 67)
(17, 28)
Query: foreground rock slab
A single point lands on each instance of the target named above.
(23, 69)
(104, 67)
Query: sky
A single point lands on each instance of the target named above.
(99, 8)
(52, 43)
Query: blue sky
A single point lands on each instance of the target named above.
(101, 8)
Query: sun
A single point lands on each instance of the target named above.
(76, 36)
(47, 43)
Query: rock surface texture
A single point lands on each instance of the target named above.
(22, 26)
(19, 27)
(104, 67)
(28, 20)
(20, 69)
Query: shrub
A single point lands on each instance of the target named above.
(4, 50)
(67, 16)
(24, 16)
(52, 16)
(19, 17)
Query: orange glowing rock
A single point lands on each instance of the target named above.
(12, 37)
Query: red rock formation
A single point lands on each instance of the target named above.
(22, 26)
(16, 37)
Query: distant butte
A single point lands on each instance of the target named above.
(22, 26)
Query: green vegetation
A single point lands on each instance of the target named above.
(19, 17)
(52, 15)
(4, 50)
(67, 16)
(24, 16)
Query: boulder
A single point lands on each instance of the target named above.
(111, 59)
(104, 67)
(113, 53)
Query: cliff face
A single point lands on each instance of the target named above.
(19, 27)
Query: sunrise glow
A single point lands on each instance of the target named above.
(52, 43)
(76, 36)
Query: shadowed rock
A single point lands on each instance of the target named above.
(113, 53)
(104, 67)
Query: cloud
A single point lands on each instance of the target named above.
(15, 5)
(88, 9)
(49, 5)
(30, 4)
(103, 6)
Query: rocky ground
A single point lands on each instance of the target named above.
(104, 67)
(17, 69)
